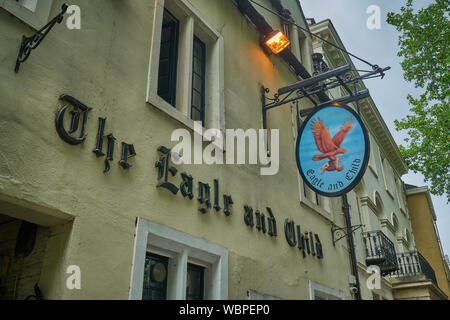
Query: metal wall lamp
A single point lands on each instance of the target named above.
(277, 42)
(31, 43)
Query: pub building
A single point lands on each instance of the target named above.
(92, 203)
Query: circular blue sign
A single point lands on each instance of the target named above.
(332, 150)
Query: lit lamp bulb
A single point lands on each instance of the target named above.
(277, 42)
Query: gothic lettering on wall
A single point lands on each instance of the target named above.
(79, 111)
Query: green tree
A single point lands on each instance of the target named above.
(424, 44)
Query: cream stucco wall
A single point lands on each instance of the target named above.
(105, 65)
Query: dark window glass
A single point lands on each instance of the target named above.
(198, 82)
(167, 75)
(155, 277)
(194, 282)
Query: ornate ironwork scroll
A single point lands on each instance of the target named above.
(31, 43)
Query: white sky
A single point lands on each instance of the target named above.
(380, 47)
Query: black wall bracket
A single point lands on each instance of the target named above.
(31, 43)
(340, 233)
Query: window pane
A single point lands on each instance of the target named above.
(155, 277)
(196, 100)
(197, 66)
(198, 81)
(198, 49)
(196, 115)
(194, 282)
(168, 58)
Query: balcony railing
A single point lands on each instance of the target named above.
(380, 251)
(413, 264)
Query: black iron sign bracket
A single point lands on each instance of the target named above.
(341, 233)
(31, 43)
(308, 88)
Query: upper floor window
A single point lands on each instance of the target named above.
(33, 12)
(387, 176)
(198, 81)
(373, 152)
(167, 76)
(186, 71)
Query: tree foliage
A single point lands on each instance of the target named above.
(424, 44)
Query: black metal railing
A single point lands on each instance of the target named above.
(414, 264)
(380, 251)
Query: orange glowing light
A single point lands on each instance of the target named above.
(278, 42)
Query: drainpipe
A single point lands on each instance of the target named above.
(351, 245)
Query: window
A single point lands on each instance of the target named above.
(33, 12)
(186, 69)
(170, 264)
(321, 292)
(194, 282)
(155, 277)
(372, 163)
(387, 174)
(167, 76)
(198, 82)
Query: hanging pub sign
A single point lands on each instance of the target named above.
(332, 150)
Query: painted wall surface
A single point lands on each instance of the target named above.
(427, 241)
(93, 215)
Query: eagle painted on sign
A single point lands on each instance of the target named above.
(329, 147)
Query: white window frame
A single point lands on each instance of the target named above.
(181, 248)
(35, 19)
(372, 157)
(317, 289)
(387, 173)
(255, 295)
(191, 23)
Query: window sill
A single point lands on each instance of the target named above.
(403, 211)
(316, 208)
(159, 103)
(390, 194)
(373, 171)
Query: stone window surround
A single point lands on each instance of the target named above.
(323, 290)
(372, 162)
(387, 172)
(35, 19)
(191, 23)
(181, 248)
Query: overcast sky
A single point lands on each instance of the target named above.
(380, 47)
